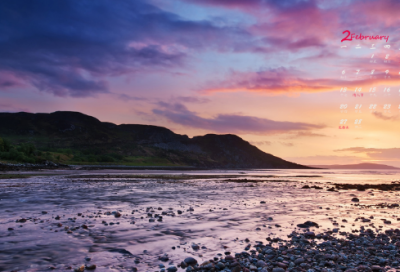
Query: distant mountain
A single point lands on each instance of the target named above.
(356, 166)
(87, 138)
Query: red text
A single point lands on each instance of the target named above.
(351, 36)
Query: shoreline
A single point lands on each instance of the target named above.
(53, 166)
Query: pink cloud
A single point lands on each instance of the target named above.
(230, 3)
(382, 116)
(289, 81)
(293, 25)
(10, 80)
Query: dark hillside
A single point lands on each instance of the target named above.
(85, 139)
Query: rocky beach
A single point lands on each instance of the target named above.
(149, 220)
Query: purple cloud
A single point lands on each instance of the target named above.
(191, 99)
(127, 97)
(69, 48)
(229, 123)
(381, 116)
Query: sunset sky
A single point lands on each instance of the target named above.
(269, 71)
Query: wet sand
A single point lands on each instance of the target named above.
(113, 217)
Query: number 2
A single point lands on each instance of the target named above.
(346, 38)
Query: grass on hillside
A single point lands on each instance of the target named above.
(22, 150)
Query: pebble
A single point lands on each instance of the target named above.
(261, 263)
(299, 261)
(172, 269)
(190, 261)
(323, 253)
(195, 247)
(90, 267)
(229, 258)
(310, 234)
(80, 269)
(164, 258)
(308, 224)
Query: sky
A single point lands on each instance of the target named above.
(271, 71)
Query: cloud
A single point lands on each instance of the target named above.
(286, 24)
(305, 134)
(149, 117)
(257, 4)
(69, 48)
(6, 83)
(9, 80)
(311, 30)
(381, 116)
(127, 97)
(73, 48)
(229, 123)
(287, 144)
(228, 3)
(311, 24)
(375, 153)
(258, 143)
(191, 99)
(383, 10)
(287, 81)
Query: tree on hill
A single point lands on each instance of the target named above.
(5, 145)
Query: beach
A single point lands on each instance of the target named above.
(149, 220)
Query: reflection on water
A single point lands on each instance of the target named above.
(118, 221)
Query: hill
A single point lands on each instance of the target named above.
(357, 166)
(76, 138)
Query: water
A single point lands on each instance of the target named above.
(224, 214)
